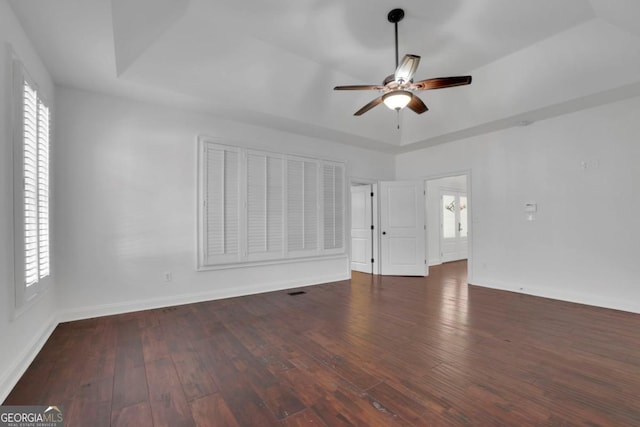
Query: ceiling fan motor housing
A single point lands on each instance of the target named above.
(395, 16)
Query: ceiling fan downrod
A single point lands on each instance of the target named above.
(394, 17)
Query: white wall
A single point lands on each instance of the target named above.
(583, 245)
(126, 205)
(20, 336)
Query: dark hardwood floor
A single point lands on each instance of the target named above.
(370, 351)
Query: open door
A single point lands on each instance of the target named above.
(402, 205)
(361, 229)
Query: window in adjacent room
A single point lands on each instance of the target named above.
(31, 183)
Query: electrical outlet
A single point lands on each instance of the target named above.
(167, 276)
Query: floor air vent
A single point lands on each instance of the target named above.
(294, 293)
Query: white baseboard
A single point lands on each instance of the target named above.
(24, 359)
(586, 299)
(152, 303)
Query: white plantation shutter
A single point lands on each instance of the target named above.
(221, 204)
(264, 205)
(31, 196)
(43, 190)
(258, 206)
(295, 205)
(30, 177)
(302, 205)
(333, 205)
(311, 205)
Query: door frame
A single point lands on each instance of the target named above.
(374, 213)
(470, 217)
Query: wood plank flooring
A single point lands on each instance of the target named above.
(370, 351)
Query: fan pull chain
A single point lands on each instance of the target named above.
(398, 118)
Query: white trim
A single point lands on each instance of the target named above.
(15, 371)
(375, 207)
(586, 299)
(26, 305)
(147, 304)
(270, 262)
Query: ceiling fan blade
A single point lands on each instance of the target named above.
(359, 87)
(417, 105)
(441, 83)
(407, 68)
(369, 106)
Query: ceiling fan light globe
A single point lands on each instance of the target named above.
(397, 100)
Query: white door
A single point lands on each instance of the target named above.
(361, 232)
(453, 226)
(403, 228)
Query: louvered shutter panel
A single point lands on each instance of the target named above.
(302, 205)
(295, 205)
(221, 206)
(310, 205)
(264, 206)
(333, 205)
(30, 171)
(275, 204)
(43, 191)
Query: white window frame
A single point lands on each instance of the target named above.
(27, 293)
(282, 253)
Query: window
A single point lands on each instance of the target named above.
(257, 206)
(31, 174)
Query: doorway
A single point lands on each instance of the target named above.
(453, 230)
(448, 220)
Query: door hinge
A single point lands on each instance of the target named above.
(425, 262)
(372, 227)
(372, 194)
(372, 260)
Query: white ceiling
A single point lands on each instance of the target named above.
(274, 63)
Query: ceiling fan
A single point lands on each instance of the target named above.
(397, 89)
